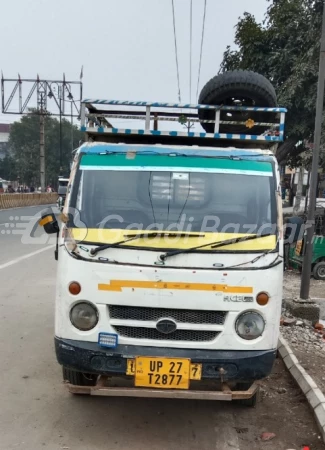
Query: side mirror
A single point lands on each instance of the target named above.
(49, 222)
(294, 230)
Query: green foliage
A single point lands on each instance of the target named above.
(8, 168)
(24, 145)
(285, 49)
(182, 119)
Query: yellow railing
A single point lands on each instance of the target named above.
(16, 200)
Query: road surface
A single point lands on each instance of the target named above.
(36, 412)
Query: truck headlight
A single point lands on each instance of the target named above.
(250, 325)
(84, 316)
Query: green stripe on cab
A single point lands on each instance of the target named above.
(157, 162)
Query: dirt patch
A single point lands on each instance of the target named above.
(282, 410)
(291, 286)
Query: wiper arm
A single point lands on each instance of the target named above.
(213, 245)
(134, 237)
(240, 239)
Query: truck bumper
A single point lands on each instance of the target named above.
(239, 366)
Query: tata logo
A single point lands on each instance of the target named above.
(166, 326)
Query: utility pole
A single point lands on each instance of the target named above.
(60, 149)
(300, 185)
(42, 112)
(307, 192)
(306, 270)
(72, 146)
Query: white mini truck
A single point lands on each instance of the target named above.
(170, 252)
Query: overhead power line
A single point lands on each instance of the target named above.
(201, 53)
(191, 46)
(176, 53)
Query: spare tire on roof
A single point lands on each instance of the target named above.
(237, 88)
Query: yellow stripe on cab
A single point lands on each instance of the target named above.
(118, 285)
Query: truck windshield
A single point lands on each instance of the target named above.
(195, 200)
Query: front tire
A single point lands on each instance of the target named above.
(78, 378)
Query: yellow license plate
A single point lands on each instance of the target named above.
(162, 373)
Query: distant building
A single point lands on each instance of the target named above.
(4, 138)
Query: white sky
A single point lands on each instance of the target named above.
(125, 46)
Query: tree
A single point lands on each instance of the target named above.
(285, 49)
(24, 145)
(8, 168)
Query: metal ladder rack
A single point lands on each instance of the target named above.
(95, 121)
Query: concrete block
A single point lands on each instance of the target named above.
(320, 414)
(282, 342)
(306, 382)
(290, 360)
(285, 351)
(315, 397)
(303, 309)
(295, 372)
(321, 303)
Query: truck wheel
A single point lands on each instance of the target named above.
(319, 271)
(237, 88)
(79, 378)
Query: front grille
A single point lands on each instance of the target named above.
(179, 315)
(178, 335)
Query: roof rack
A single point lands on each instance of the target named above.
(95, 121)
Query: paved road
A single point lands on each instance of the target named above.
(36, 412)
(16, 227)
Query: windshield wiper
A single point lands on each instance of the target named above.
(133, 237)
(213, 245)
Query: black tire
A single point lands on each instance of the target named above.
(319, 271)
(241, 88)
(78, 378)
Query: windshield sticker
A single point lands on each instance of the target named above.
(180, 176)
